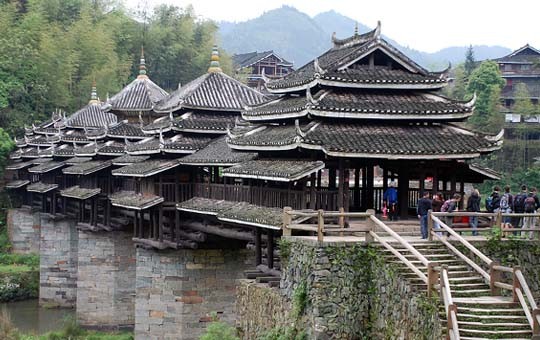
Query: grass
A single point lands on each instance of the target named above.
(15, 268)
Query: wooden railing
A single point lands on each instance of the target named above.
(292, 220)
(450, 308)
(520, 289)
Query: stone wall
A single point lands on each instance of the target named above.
(350, 294)
(23, 229)
(177, 291)
(260, 309)
(106, 280)
(58, 262)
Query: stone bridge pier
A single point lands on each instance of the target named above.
(178, 291)
(23, 228)
(106, 280)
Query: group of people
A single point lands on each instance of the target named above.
(526, 201)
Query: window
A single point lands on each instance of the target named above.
(507, 67)
(525, 67)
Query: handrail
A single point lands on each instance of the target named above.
(466, 243)
(450, 308)
(520, 286)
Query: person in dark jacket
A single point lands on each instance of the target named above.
(422, 208)
(437, 202)
(473, 205)
(495, 199)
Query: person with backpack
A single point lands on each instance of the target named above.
(473, 205)
(437, 203)
(530, 206)
(505, 204)
(519, 207)
(493, 201)
(390, 198)
(422, 209)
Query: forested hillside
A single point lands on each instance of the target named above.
(52, 50)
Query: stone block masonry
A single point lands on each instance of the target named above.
(58, 262)
(23, 229)
(106, 280)
(177, 291)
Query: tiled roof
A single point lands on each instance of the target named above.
(80, 193)
(29, 153)
(370, 140)
(77, 136)
(217, 153)
(77, 160)
(91, 116)
(185, 144)
(124, 129)
(524, 54)
(146, 168)
(86, 168)
(64, 150)
(248, 59)
(211, 91)
(48, 152)
(197, 122)
(128, 159)
(46, 131)
(274, 169)
(487, 172)
(235, 212)
(146, 146)
(19, 165)
(17, 154)
(17, 184)
(133, 200)
(112, 148)
(364, 104)
(41, 187)
(42, 140)
(88, 150)
(46, 167)
(162, 124)
(140, 95)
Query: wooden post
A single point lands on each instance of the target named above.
(432, 278)
(536, 325)
(341, 220)
(286, 221)
(435, 186)
(320, 225)
(346, 198)
(332, 178)
(53, 203)
(430, 225)
(363, 194)
(515, 284)
(270, 248)
(341, 181)
(108, 214)
(357, 189)
(403, 191)
(141, 222)
(135, 225)
(258, 247)
(160, 222)
(176, 226)
(449, 324)
(312, 198)
(371, 225)
(494, 276)
(370, 204)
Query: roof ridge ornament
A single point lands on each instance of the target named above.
(356, 28)
(319, 71)
(299, 131)
(377, 33)
(93, 95)
(161, 140)
(229, 133)
(264, 77)
(171, 117)
(470, 103)
(141, 121)
(311, 100)
(142, 66)
(214, 61)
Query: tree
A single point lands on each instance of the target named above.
(470, 62)
(486, 82)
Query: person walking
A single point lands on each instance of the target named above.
(390, 198)
(505, 207)
(437, 202)
(422, 209)
(531, 206)
(519, 207)
(473, 205)
(451, 205)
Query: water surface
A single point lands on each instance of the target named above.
(28, 317)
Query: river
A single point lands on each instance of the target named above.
(28, 317)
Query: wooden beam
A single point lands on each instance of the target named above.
(357, 188)
(369, 188)
(403, 191)
(270, 248)
(312, 196)
(341, 181)
(160, 222)
(219, 231)
(258, 247)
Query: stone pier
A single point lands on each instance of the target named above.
(179, 291)
(23, 229)
(106, 280)
(58, 262)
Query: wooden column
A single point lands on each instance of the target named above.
(385, 179)
(53, 203)
(341, 185)
(319, 179)
(462, 192)
(435, 188)
(370, 204)
(357, 189)
(403, 191)
(346, 191)
(363, 206)
(270, 248)
(453, 184)
(312, 197)
(422, 183)
(258, 247)
(139, 215)
(332, 178)
(160, 222)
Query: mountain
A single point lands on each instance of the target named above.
(299, 38)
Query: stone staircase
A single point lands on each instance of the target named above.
(480, 315)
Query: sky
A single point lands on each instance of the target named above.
(420, 24)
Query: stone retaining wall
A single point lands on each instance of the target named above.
(351, 294)
(23, 228)
(178, 291)
(58, 262)
(106, 280)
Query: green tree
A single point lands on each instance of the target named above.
(458, 89)
(6, 145)
(470, 62)
(486, 82)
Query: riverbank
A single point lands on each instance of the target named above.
(19, 277)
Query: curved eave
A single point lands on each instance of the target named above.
(283, 147)
(142, 207)
(205, 164)
(143, 152)
(253, 224)
(358, 84)
(156, 131)
(210, 131)
(275, 178)
(126, 137)
(179, 151)
(274, 116)
(365, 114)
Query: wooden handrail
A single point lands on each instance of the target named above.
(466, 243)
(450, 308)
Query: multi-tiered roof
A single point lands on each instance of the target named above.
(363, 98)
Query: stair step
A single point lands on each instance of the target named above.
(476, 338)
(495, 332)
(467, 285)
(495, 324)
(465, 279)
(491, 317)
(499, 311)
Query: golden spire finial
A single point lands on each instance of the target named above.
(214, 61)
(93, 95)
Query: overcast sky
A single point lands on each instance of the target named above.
(421, 24)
